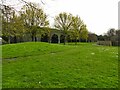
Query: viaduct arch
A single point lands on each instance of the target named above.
(59, 34)
(45, 38)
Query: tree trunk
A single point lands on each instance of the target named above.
(32, 38)
(15, 39)
(9, 39)
(21, 39)
(65, 40)
(40, 38)
(49, 39)
(35, 39)
(75, 41)
(79, 39)
(86, 40)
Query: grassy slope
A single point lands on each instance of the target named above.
(50, 65)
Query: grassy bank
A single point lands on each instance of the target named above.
(43, 65)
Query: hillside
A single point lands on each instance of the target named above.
(43, 65)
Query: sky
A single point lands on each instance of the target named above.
(98, 15)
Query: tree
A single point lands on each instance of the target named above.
(17, 27)
(76, 27)
(34, 17)
(110, 33)
(12, 24)
(83, 32)
(7, 13)
(48, 31)
(92, 37)
(101, 38)
(63, 22)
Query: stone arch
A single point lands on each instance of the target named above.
(58, 33)
(44, 37)
(62, 37)
(54, 38)
(69, 38)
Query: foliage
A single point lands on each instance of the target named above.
(84, 32)
(111, 32)
(92, 37)
(33, 17)
(76, 27)
(63, 22)
(17, 27)
(7, 13)
(111, 35)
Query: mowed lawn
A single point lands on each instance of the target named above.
(44, 65)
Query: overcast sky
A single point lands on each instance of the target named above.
(98, 15)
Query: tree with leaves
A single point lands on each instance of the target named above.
(63, 22)
(83, 34)
(33, 17)
(47, 30)
(17, 27)
(110, 33)
(76, 27)
(92, 37)
(7, 15)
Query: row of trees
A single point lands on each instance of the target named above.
(111, 35)
(26, 21)
(71, 26)
(31, 18)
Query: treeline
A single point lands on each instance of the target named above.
(32, 20)
(27, 21)
(111, 35)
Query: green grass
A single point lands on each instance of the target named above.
(43, 65)
(0, 67)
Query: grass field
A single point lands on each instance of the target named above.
(43, 65)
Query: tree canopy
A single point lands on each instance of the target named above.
(63, 22)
